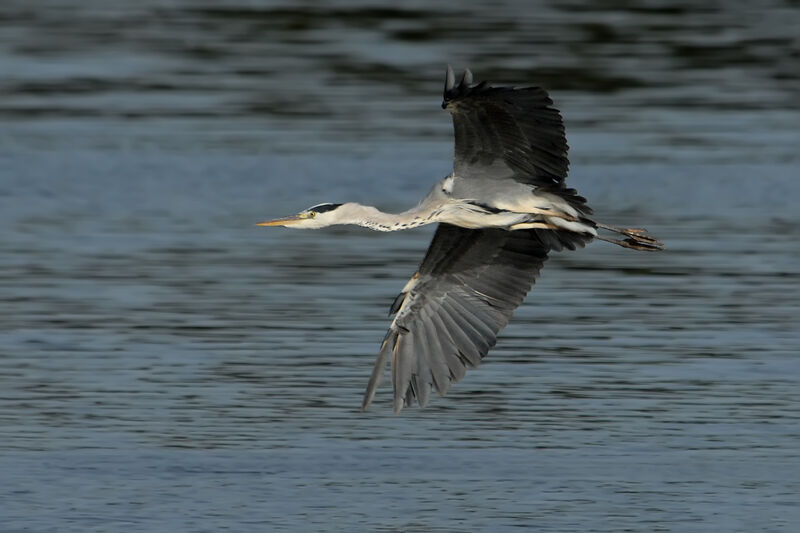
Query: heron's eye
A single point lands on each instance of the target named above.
(312, 214)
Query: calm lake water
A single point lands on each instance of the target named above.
(167, 366)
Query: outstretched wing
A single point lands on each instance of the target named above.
(508, 133)
(450, 313)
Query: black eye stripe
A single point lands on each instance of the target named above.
(323, 208)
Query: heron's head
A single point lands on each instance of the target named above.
(318, 216)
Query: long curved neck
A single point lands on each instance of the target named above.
(370, 217)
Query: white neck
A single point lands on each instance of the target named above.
(463, 213)
(370, 217)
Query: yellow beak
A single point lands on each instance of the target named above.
(283, 221)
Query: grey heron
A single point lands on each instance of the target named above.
(501, 211)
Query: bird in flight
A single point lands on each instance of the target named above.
(501, 211)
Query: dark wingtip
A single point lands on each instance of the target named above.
(464, 87)
(449, 85)
(449, 79)
(387, 348)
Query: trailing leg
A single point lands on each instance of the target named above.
(637, 238)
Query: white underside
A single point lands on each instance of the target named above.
(516, 215)
(521, 205)
(470, 216)
(530, 203)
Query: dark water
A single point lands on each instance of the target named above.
(166, 366)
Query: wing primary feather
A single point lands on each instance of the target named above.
(410, 395)
(404, 365)
(466, 313)
(449, 79)
(387, 348)
(462, 341)
(452, 355)
(476, 338)
(437, 361)
(423, 375)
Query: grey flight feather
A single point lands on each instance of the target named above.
(467, 288)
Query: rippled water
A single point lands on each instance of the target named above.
(166, 365)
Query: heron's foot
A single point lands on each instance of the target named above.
(636, 243)
(642, 240)
(635, 231)
(637, 238)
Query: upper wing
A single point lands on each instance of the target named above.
(464, 293)
(507, 132)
